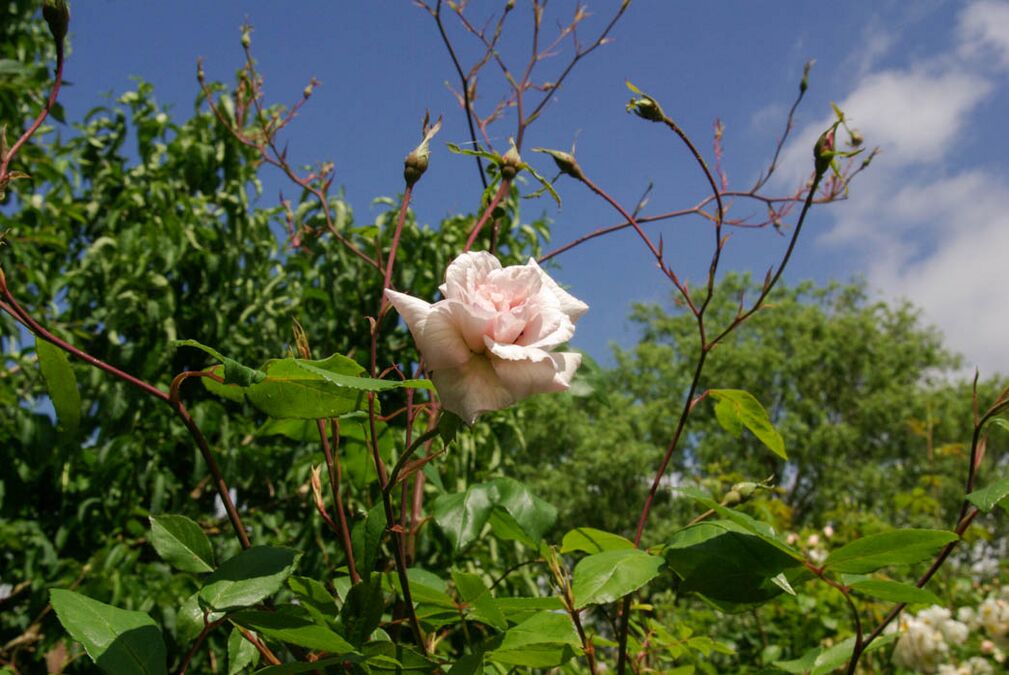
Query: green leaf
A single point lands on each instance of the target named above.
(544, 640)
(293, 625)
(893, 591)
(823, 660)
(384, 656)
(474, 153)
(604, 577)
(449, 425)
(426, 588)
(366, 538)
(241, 653)
(181, 543)
(315, 598)
(990, 496)
(62, 386)
(234, 372)
(362, 611)
(737, 408)
(471, 664)
(896, 547)
(462, 516)
(189, 620)
(250, 577)
(544, 182)
(118, 640)
(478, 597)
(591, 540)
(363, 383)
(512, 606)
(747, 522)
(290, 390)
(725, 562)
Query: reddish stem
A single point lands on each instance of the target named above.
(53, 94)
(333, 466)
(498, 196)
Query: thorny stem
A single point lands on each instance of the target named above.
(924, 579)
(844, 591)
(399, 536)
(198, 642)
(279, 160)
(333, 468)
(706, 347)
(393, 248)
(498, 196)
(50, 102)
(15, 310)
(464, 83)
(964, 520)
(587, 646)
(401, 462)
(264, 651)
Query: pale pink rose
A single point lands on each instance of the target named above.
(488, 343)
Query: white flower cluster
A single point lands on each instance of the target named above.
(926, 638)
(992, 615)
(975, 665)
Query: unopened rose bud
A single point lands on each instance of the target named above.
(301, 340)
(57, 16)
(987, 646)
(315, 480)
(804, 84)
(565, 161)
(246, 37)
(731, 498)
(828, 531)
(646, 108)
(511, 163)
(823, 151)
(856, 139)
(415, 165)
(746, 489)
(417, 161)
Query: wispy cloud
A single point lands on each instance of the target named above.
(984, 31)
(925, 225)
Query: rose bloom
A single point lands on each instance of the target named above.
(488, 343)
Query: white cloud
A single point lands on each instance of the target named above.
(915, 114)
(924, 225)
(984, 31)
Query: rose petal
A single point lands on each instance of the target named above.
(515, 352)
(525, 378)
(442, 342)
(547, 330)
(512, 286)
(472, 322)
(566, 364)
(434, 329)
(465, 272)
(570, 305)
(413, 310)
(471, 389)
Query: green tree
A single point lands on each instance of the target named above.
(867, 398)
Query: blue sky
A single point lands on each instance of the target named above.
(926, 81)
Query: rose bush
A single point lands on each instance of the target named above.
(488, 343)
